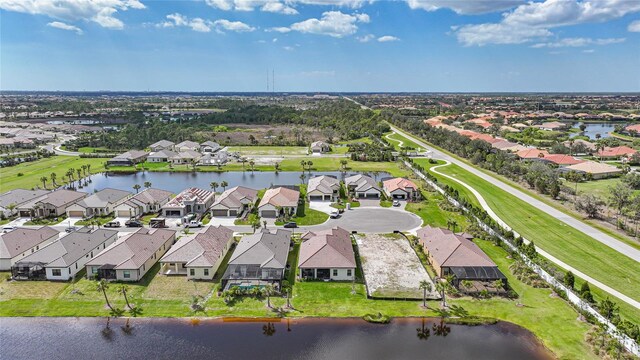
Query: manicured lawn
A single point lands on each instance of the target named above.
(430, 211)
(89, 150)
(309, 217)
(101, 220)
(269, 150)
(46, 221)
(33, 171)
(567, 244)
(396, 139)
(442, 180)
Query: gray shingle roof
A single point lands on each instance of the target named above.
(266, 249)
(132, 251)
(450, 249)
(70, 248)
(203, 249)
(327, 249)
(103, 197)
(324, 184)
(19, 240)
(232, 198)
(19, 196)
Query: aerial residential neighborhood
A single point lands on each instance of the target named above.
(320, 179)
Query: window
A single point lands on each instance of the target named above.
(335, 272)
(126, 274)
(206, 272)
(192, 272)
(94, 270)
(348, 272)
(56, 272)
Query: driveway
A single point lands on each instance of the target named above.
(369, 202)
(323, 206)
(375, 220)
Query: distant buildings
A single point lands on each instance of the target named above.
(319, 147)
(129, 158)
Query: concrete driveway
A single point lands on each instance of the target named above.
(323, 206)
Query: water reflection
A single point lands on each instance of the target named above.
(423, 331)
(268, 329)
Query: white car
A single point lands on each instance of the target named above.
(396, 203)
(193, 224)
(8, 228)
(334, 214)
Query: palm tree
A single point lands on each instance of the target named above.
(255, 224)
(79, 172)
(423, 332)
(103, 285)
(276, 166)
(426, 287)
(243, 160)
(84, 169)
(44, 181)
(252, 165)
(147, 184)
(309, 165)
(123, 291)
(136, 187)
(268, 291)
(302, 177)
(89, 169)
(287, 288)
(343, 164)
(268, 329)
(441, 287)
(224, 185)
(454, 224)
(214, 185)
(304, 165)
(53, 177)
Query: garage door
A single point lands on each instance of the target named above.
(316, 197)
(233, 212)
(76, 214)
(268, 213)
(25, 214)
(219, 212)
(372, 195)
(124, 213)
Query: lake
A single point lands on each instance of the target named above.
(317, 339)
(178, 181)
(594, 128)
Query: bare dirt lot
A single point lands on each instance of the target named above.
(391, 267)
(243, 134)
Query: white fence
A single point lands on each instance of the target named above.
(626, 341)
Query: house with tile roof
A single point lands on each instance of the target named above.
(327, 254)
(279, 201)
(363, 186)
(234, 201)
(595, 170)
(456, 254)
(162, 145)
(187, 145)
(400, 188)
(161, 156)
(52, 204)
(12, 199)
(532, 154)
(98, 204)
(128, 158)
(189, 201)
(617, 152)
(561, 159)
(258, 259)
(129, 258)
(198, 256)
(323, 187)
(18, 243)
(146, 201)
(63, 259)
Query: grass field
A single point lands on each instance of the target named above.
(396, 139)
(567, 244)
(33, 171)
(311, 217)
(269, 150)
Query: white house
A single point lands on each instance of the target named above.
(187, 145)
(161, 156)
(362, 186)
(18, 243)
(198, 257)
(279, 201)
(318, 147)
(234, 201)
(54, 203)
(11, 200)
(162, 145)
(209, 147)
(147, 201)
(63, 259)
(130, 258)
(191, 200)
(185, 157)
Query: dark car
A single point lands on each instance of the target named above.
(291, 225)
(133, 223)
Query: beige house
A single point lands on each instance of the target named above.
(52, 204)
(327, 255)
(99, 204)
(162, 145)
(319, 147)
(234, 201)
(279, 201)
(400, 188)
(147, 201)
(130, 258)
(595, 169)
(323, 188)
(21, 242)
(198, 257)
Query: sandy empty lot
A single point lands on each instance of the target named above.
(391, 267)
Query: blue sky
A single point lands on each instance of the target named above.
(320, 45)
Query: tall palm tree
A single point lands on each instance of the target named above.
(147, 184)
(302, 177)
(304, 165)
(286, 287)
(84, 169)
(268, 291)
(309, 165)
(276, 166)
(243, 160)
(79, 172)
(252, 165)
(103, 285)
(224, 185)
(88, 168)
(44, 181)
(53, 177)
(136, 187)
(214, 185)
(343, 164)
(123, 291)
(426, 287)
(423, 331)
(441, 287)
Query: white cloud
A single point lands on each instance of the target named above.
(332, 23)
(202, 25)
(237, 26)
(387, 38)
(273, 6)
(464, 7)
(288, 48)
(101, 12)
(63, 26)
(365, 38)
(578, 42)
(588, 51)
(634, 26)
(533, 21)
(278, 7)
(280, 29)
(354, 4)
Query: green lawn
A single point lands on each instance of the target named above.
(46, 221)
(365, 140)
(444, 181)
(562, 241)
(396, 138)
(33, 171)
(431, 212)
(89, 150)
(308, 217)
(101, 220)
(269, 150)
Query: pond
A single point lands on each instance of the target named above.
(592, 129)
(89, 338)
(178, 181)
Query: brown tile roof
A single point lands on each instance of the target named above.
(532, 154)
(19, 240)
(280, 196)
(132, 251)
(201, 250)
(449, 249)
(592, 167)
(327, 249)
(562, 159)
(398, 183)
(616, 151)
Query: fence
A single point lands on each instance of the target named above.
(572, 297)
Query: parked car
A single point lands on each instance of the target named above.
(193, 224)
(334, 214)
(8, 228)
(112, 224)
(396, 203)
(133, 223)
(291, 225)
(71, 229)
